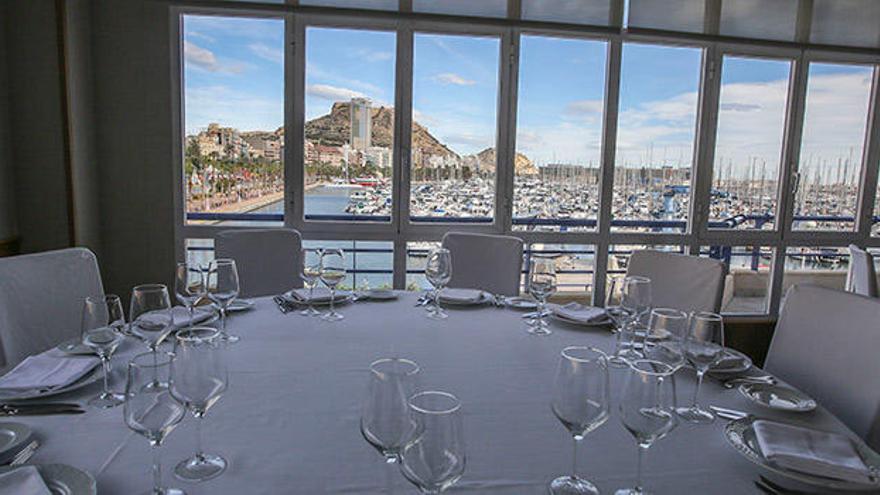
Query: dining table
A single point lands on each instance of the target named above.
(289, 422)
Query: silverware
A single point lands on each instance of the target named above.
(25, 454)
(281, 303)
(39, 409)
(731, 414)
(764, 487)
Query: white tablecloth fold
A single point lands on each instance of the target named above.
(579, 313)
(462, 296)
(320, 295)
(25, 480)
(181, 316)
(51, 369)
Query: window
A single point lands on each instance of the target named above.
(559, 134)
(233, 72)
(349, 129)
(368, 264)
(455, 93)
(816, 265)
(575, 265)
(747, 286)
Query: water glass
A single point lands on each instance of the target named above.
(703, 348)
(102, 331)
(189, 286)
(541, 285)
(386, 422)
(198, 378)
(435, 459)
(634, 304)
(311, 272)
(150, 410)
(664, 336)
(581, 403)
(647, 408)
(150, 314)
(332, 274)
(438, 271)
(223, 287)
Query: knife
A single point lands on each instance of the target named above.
(40, 409)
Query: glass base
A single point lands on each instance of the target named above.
(539, 329)
(231, 339)
(165, 491)
(570, 485)
(333, 316)
(631, 491)
(437, 314)
(310, 312)
(200, 468)
(106, 400)
(695, 414)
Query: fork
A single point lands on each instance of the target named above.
(25, 454)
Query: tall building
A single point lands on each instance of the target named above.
(361, 125)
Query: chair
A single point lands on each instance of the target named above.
(41, 300)
(826, 344)
(679, 281)
(861, 277)
(267, 259)
(489, 262)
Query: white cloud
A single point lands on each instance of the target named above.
(580, 107)
(267, 53)
(373, 56)
(233, 108)
(452, 78)
(333, 93)
(206, 60)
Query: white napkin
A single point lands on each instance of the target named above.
(181, 316)
(809, 451)
(320, 295)
(25, 480)
(51, 369)
(579, 313)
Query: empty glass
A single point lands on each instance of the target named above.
(541, 285)
(311, 272)
(189, 286)
(223, 287)
(150, 314)
(102, 324)
(385, 421)
(634, 304)
(703, 348)
(581, 403)
(664, 336)
(198, 379)
(149, 408)
(438, 271)
(620, 316)
(435, 459)
(332, 274)
(647, 409)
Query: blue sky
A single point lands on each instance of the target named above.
(234, 75)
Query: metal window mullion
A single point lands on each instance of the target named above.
(403, 149)
(177, 126)
(704, 148)
(804, 21)
(506, 157)
(870, 163)
(294, 123)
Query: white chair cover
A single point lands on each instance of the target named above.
(679, 281)
(488, 262)
(41, 300)
(267, 259)
(826, 343)
(861, 277)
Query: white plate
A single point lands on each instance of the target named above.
(483, 299)
(93, 377)
(735, 362)
(240, 305)
(777, 397)
(523, 303)
(379, 294)
(62, 479)
(342, 297)
(75, 347)
(740, 434)
(13, 437)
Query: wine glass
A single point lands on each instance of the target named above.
(150, 314)
(542, 284)
(385, 421)
(189, 286)
(149, 408)
(620, 316)
(647, 408)
(666, 331)
(332, 274)
(223, 287)
(198, 378)
(635, 303)
(102, 323)
(438, 271)
(435, 459)
(703, 348)
(311, 271)
(581, 403)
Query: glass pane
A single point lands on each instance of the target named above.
(369, 264)
(655, 139)
(480, 8)
(354, 4)
(233, 120)
(747, 287)
(748, 146)
(575, 264)
(831, 150)
(455, 93)
(825, 266)
(594, 12)
(672, 15)
(774, 20)
(559, 134)
(199, 252)
(349, 131)
(875, 220)
(416, 255)
(846, 22)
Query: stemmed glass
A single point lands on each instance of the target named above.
(385, 421)
(102, 324)
(149, 408)
(664, 336)
(542, 285)
(435, 459)
(150, 313)
(703, 348)
(634, 304)
(332, 274)
(647, 409)
(581, 403)
(311, 271)
(198, 378)
(189, 286)
(222, 285)
(438, 271)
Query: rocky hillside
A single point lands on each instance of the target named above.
(524, 166)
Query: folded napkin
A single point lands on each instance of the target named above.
(25, 480)
(51, 369)
(320, 295)
(461, 296)
(810, 451)
(579, 313)
(181, 316)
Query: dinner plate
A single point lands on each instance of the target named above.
(777, 397)
(62, 479)
(523, 303)
(379, 294)
(13, 437)
(733, 362)
(740, 434)
(483, 299)
(342, 297)
(240, 305)
(92, 377)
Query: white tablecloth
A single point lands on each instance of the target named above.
(289, 422)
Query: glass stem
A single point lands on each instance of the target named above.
(542, 307)
(332, 299)
(642, 450)
(157, 469)
(223, 319)
(389, 477)
(199, 453)
(105, 363)
(192, 317)
(311, 297)
(574, 458)
(695, 405)
(437, 299)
